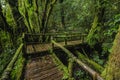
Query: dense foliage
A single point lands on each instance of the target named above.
(99, 19)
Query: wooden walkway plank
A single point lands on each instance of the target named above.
(42, 68)
(36, 48)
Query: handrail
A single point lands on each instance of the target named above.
(65, 35)
(84, 66)
(56, 33)
(8, 70)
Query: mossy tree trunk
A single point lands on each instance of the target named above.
(62, 14)
(36, 15)
(18, 26)
(26, 16)
(28, 10)
(94, 34)
(18, 18)
(112, 71)
(4, 25)
(46, 15)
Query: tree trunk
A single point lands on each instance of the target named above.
(95, 33)
(46, 15)
(5, 26)
(62, 14)
(112, 71)
(70, 68)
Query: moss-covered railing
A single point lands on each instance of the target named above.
(91, 63)
(61, 66)
(93, 73)
(59, 37)
(7, 72)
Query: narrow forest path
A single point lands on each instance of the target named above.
(42, 68)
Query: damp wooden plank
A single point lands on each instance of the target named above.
(36, 48)
(42, 68)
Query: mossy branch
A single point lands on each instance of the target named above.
(49, 12)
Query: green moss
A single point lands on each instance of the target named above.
(6, 51)
(9, 17)
(28, 11)
(61, 66)
(90, 62)
(23, 11)
(17, 69)
(90, 38)
(112, 71)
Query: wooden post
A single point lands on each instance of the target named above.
(52, 37)
(24, 44)
(82, 37)
(70, 67)
(65, 39)
(71, 37)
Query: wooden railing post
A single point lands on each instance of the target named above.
(70, 67)
(24, 44)
(65, 39)
(71, 37)
(52, 38)
(83, 38)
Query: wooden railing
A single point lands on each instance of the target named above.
(93, 73)
(59, 37)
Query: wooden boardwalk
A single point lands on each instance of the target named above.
(36, 48)
(42, 68)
